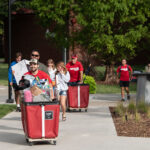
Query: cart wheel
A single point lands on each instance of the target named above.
(68, 110)
(85, 110)
(79, 110)
(54, 142)
(27, 140)
(30, 143)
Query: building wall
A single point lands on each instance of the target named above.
(27, 35)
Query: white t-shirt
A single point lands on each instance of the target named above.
(52, 73)
(62, 80)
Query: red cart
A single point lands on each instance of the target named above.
(78, 97)
(40, 121)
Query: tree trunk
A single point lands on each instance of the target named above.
(110, 75)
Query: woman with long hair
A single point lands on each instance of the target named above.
(62, 78)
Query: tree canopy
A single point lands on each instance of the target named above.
(54, 14)
(15, 5)
(112, 29)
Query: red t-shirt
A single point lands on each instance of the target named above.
(124, 72)
(74, 70)
(41, 75)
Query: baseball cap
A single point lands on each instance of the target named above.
(34, 61)
(74, 56)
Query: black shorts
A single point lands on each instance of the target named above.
(124, 83)
(15, 87)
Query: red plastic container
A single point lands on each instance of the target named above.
(40, 119)
(78, 96)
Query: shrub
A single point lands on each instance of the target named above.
(148, 112)
(132, 107)
(137, 116)
(142, 107)
(120, 109)
(91, 81)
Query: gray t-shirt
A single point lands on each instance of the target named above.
(43, 67)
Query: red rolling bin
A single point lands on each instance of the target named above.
(78, 97)
(40, 121)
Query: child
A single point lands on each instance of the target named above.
(51, 70)
(12, 80)
(62, 78)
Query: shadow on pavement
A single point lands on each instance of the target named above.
(14, 138)
(12, 118)
(2, 127)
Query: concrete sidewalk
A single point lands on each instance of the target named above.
(93, 130)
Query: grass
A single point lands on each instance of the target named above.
(100, 70)
(5, 109)
(103, 89)
(3, 74)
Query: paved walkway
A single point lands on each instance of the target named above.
(93, 130)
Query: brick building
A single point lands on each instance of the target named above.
(27, 35)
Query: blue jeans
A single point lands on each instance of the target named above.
(63, 93)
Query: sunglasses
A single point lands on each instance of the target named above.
(35, 55)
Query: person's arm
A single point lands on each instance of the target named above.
(10, 75)
(66, 77)
(50, 85)
(81, 73)
(118, 72)
(51, 91)
(81, 77)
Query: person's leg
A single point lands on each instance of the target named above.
(63, 105)
(122, 93)
(17, 99)
(127, 90)
(17, 96)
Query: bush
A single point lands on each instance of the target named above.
(91, 81)
(142, 107)
(132, 107)
(120, 110)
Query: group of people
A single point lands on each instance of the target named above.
(59, 76)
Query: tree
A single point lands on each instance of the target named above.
(54, 17)
(112, 29)
(16, 4)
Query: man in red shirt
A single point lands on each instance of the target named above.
(34, 71)
(75, 69)
(125, 72)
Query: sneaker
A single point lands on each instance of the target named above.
(123, 100)
(128, 97)
(18, 109)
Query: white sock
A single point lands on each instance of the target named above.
(18, 105)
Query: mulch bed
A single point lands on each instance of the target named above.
(131, 127)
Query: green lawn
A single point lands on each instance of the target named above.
(100, 71)
(5, 109)
(3, 74)
(103, 89)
